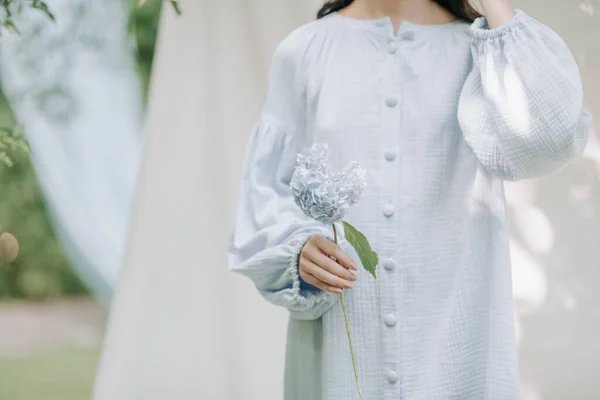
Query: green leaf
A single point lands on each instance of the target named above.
(11, 27)
(18, 130)
(11, 140)
(175, 5)
(360, 243)
(4, 158)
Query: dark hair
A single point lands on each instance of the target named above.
(460, 8)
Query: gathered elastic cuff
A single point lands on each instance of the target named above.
(480, 29)
(303, 295)
(299, 284)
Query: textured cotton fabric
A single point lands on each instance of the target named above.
(439, 116)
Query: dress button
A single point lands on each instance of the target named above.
(392, 46)
(388, 210)
(408, 35)
(391, 376)
(389, 264)
(390, 155)
(389, 319)
(391, 101)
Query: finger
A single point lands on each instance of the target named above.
(332, 266)
(332, 249)
(321, 285)
(318, 271)
(325, 262)
(331, 289)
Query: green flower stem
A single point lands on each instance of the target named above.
(348, 329)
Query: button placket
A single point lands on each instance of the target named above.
(390, 155)
(389, 210)
(408, 35)
(390, 319)
(389, 264)
(392, 46)
(388, 231)
(391, 376)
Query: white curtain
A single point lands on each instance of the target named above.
(555, 237)
(74, 86)
(183, 327)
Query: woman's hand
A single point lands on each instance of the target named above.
(318, 265)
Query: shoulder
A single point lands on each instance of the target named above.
(303, 42)
(290, 66)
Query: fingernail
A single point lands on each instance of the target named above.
(355, 267)
(353, 277)
(337, 290)
(349, 285)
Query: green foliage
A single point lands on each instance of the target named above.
(144, 26)
(11, 7)
(175, 5)
(368, 257)
(11, 140)
(42, 270)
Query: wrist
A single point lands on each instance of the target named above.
(497, 12)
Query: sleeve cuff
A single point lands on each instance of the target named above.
(480, 29)
(300, 285)
(306, 295)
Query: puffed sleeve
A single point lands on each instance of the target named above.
(521, 107)
(269, 229)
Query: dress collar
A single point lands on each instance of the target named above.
(407, 29)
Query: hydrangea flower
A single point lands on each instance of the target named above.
(321, 194)
(326, 197)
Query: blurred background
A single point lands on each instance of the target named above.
(79, 85)
(88, 204)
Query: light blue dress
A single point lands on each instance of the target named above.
(440, 116)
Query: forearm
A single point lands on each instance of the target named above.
(497, 12)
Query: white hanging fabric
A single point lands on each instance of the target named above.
(74, 86)
(181, 325)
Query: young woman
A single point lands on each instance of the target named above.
(440, 106)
